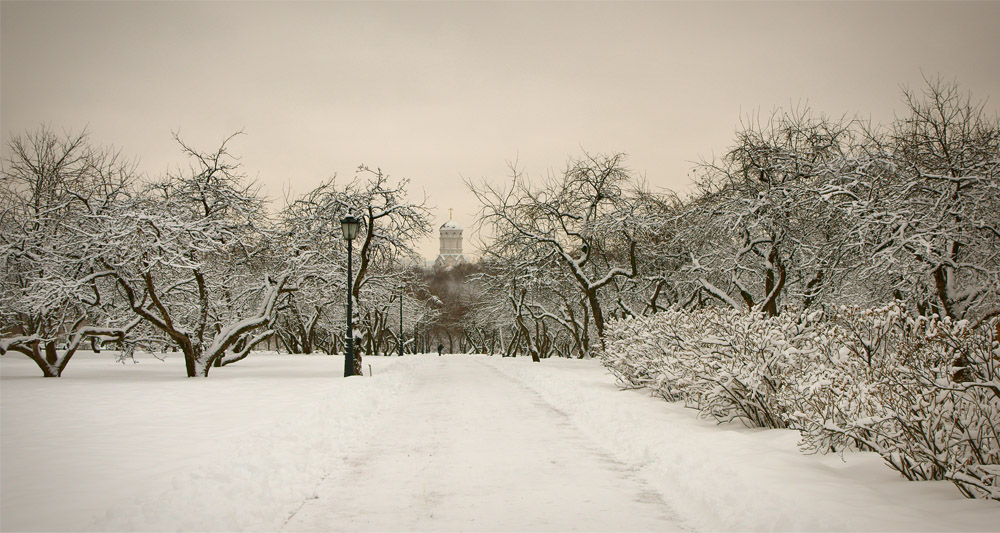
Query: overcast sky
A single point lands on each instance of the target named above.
(438, 92)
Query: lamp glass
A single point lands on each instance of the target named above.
(350, 226)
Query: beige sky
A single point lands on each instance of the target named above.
(438, 92)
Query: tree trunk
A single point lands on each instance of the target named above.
(595, 308)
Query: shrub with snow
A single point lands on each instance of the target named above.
(923, 392)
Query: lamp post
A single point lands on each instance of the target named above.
(349, 225)
(401, 321)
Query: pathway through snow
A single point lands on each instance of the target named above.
(471, 449)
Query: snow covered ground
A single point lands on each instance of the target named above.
(261, 444)
(734, 478)
(472, 450)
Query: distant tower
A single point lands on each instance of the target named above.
(451, 243)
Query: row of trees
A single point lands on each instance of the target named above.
(193, 260)
(802, 212)
(826, 275)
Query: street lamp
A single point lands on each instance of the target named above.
(401, 321)
(349, 225)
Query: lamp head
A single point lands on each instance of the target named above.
(350, 226)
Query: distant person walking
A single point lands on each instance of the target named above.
(440, 349)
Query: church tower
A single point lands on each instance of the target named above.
(451, 244)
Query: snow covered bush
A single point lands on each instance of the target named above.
(728, 364)
(923, 392)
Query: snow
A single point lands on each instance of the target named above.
(140, 447)
(427, 443)
(472, 451)
(728, 477)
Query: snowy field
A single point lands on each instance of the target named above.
(139, 447)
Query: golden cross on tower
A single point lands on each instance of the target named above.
(449, 213)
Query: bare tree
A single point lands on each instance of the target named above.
(761, 233)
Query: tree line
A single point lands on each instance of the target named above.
(802, 212)
(192, 261)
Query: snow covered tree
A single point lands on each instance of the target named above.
(194, 256)
(415, 310)
(662, 257)
(931, 203)
(310, 315)
(53, 293)
(583, 222)
(391, 226)
(761, 233)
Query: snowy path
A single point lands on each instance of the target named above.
(471, 449)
